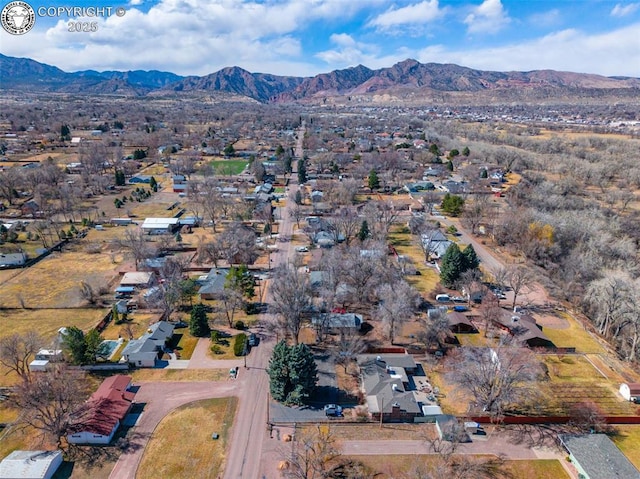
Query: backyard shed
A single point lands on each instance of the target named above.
(630, 391)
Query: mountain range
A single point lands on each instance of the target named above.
(408, 77)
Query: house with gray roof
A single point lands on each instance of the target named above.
(214, 283)
(387, 386)
(144, 351)
(333, 321)
(8, 260)
(595, 456)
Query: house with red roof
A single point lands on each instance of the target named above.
(97, 421)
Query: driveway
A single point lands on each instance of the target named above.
(159, 399)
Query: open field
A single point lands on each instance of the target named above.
(575, 336)
(54, 282)
(389, 466)
(574, 381)
(229, 167)
(200, 456)
(426, 282)
(47, 321)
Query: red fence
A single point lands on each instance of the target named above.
(554, 419)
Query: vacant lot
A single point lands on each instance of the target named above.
(182, 444)
(55, 281)
(181, 375)
(389, 466)
(47, 321)
(575, 382)
(574, 336)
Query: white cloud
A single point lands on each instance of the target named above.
(416, 14)
(624, 10)
(189, 36)
(136, 2)
(349, 52)
(612, 53)
(546, 19)
(488, 17)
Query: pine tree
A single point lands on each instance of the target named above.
(466, 151)
(471, 260)
(373, 181)
(302, 172)
(279, 372)
(199, 324)
(452, 266)
(153, 184)
(303, 374)
(364, 232)
(293, 373)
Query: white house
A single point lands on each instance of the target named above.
(30, 465)
(630, 391)
(98, 420)
(158, 226)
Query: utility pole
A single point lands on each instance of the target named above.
(381, 411)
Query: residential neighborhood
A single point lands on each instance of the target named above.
(238, 284)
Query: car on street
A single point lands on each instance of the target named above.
(302, 249)
(333, 410)
(252, 340)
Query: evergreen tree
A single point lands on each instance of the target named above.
(241, 280)
(153, 184)
(452, 204)
(451, 266)
(484, 173)
(229, 150)
(65, 133)
(279, 372)
(466, 151)
(120, 181)
(450, 165)
(471, 260)
(292, 373)
(373, 181)
(302, 172)
(198, 323)
(364, 232)
(303, 374)
(75, 345)
(92, 340)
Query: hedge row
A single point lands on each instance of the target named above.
(239, 344)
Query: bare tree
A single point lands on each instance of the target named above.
(344, 225)
(238, 244)
(397, 303)
(16, 351)
(497, 378)
(348, 346)
(518, 279)
(291, 298)
(296, 212)
(50, 399)
(315, 454)
(135, 243)
(490, 311)
(88, 293)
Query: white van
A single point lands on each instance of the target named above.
(443, 298)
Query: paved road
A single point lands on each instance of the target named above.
(249, 433)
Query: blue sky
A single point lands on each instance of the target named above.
(305, 37)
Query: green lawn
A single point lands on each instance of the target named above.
(229, 167)
(628, 440)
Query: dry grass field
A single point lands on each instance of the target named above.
(428, 279)
(181, 375)
(169, 456)
(575, 336)
(54, 282)
(47, 321)
(389, 466)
